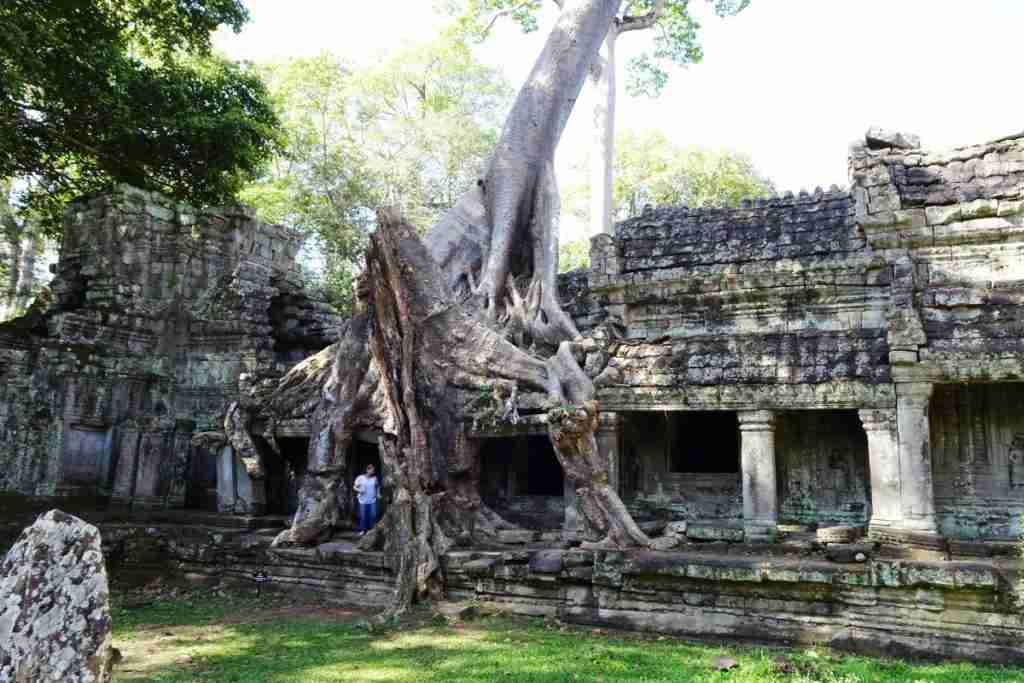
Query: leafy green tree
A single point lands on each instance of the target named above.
(411, 130)
(573, 254)
(674, 41)
(94, 93)
(651, 169)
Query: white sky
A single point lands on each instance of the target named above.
(789, 82)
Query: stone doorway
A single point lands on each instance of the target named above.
(201, 492)
(522, 480)
(86, 461)
(364, 452)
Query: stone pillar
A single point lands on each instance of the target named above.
(609, 439)
(237, 492)
(757, 458)
(571, 519)
(918, 499)
(884, 465)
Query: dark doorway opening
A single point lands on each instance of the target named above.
(822, 468)
(284, 473)
(201, 492)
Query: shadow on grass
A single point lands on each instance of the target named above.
(313, 650)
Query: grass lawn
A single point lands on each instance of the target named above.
(172, 635)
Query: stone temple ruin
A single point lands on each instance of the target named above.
(161, 313)
(820, 396)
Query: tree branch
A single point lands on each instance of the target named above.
(643, 21)
(506, 12)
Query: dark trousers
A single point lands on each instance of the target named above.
(367, 515)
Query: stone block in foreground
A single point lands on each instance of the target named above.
(55, 604)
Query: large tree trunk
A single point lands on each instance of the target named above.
(428, 349)
(507, 226)
(431, 344)
(347, 393)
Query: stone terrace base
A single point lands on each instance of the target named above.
(960, 609)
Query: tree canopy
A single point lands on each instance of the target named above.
(411, 130)
(126, 91)
(675, 40)
(651, 169)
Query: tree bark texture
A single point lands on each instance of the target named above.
(452, 315)
(602, 76)
(508, 224)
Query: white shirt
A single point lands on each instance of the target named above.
(366, 487)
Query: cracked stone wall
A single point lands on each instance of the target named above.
(160, 312)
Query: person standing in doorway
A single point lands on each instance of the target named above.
(366, 488)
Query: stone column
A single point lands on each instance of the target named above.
(571, 518)
(757, 457)
(918, 499)
(884, 465)
(609, 438)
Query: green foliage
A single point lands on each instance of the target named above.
(675, 41)
(410, 130)
(573, 254)
(651, 169)
(674, 31)
(476, 18)
(98, 93)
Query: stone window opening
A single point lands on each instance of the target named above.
(703, 442)
(977, 457)
(521, 479)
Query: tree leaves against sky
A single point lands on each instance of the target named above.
(410, 130)
(673, 40)
(126, 91)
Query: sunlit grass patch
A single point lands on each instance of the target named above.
(201, 637)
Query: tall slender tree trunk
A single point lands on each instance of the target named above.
(602, 76)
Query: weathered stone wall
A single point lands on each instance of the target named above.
(977, 444)
(161, 311)
(960, 609)
(954, 609)
(950, 224)
(777, 303)
(574, 295)
(861, 300)
(822, 459)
